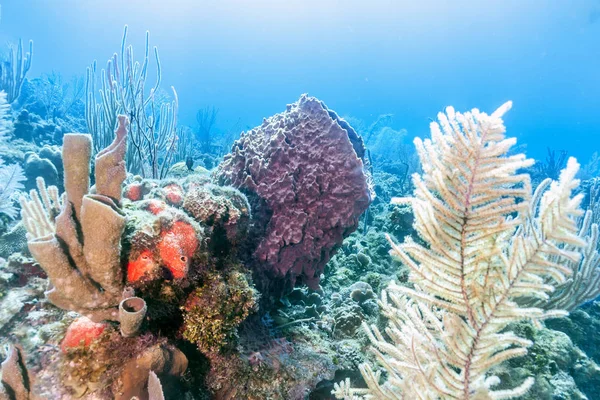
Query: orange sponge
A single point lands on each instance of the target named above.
(82, 331)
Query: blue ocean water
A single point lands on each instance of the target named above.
(364, 59)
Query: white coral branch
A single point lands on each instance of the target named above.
(490, 243)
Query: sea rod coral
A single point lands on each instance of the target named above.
(489, 243)
(153, 138)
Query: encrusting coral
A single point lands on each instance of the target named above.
(82, 261)
(213, 312)
(224, 209)
(489, 243)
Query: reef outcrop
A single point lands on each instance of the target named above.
(189, 259)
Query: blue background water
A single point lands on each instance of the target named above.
(363, 58)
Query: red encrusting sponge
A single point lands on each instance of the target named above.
(177, 247)
(82, 331)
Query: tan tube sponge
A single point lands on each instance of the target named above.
(65, 279)
(102, 225)
(82, 255)
(77, 150)
(16, 380)
(131, 315)
(110, 163)
(163, 359)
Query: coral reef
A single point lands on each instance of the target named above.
(162, 242)
(283, 371)
(14, 150)
(178, 308)
(560, 369)
(46, 164)
(32, 128)
(581, 325)
(91, 367)
(174, 243)
(303, 174)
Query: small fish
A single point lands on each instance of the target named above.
(189, 163)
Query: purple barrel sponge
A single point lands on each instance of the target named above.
(304, 176)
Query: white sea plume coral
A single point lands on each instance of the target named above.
(11, 175)
(5, 124)
(488, 244)
(40, 210)
(11, 182)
